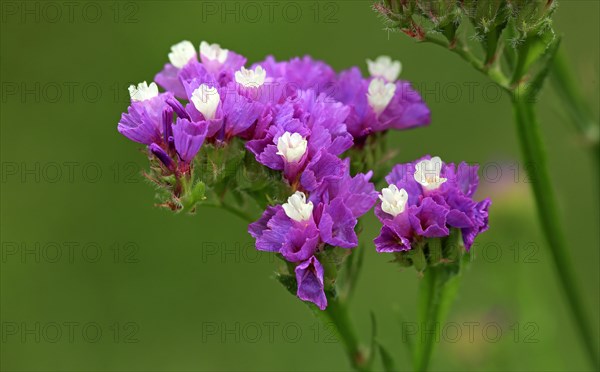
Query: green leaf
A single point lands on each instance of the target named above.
(386, 359)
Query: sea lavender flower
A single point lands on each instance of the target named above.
(225, 111)
(188, 138)
(181, 53)
(426, 199)
(302, 228)
(216, 65)
(302, 127)
(299, 74)
(380, 102)
(143, 121)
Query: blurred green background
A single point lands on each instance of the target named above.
(94, 277)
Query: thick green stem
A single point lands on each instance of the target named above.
(337, 315)
(437, 291)
(535, 160)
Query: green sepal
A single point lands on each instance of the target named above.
(193, 196)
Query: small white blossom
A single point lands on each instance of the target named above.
(181, 53)
(206, 100)
(385, 67)
(251, 78)
(380, 94)
(143, 91)
(427, 173)
(393, 201)
(213, 52)
(297, 208)
(291, 146)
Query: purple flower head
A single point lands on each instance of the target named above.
(300, 229)
(302, 129)
(425, 199)
(143, 122)
(181, 54)
(309, 275)
(188, 138)
(216, 67)
(288, 229)
(220, 62)
(357, 193)
(239, 111)
(380, 103)
(205, 106)
(300, 74)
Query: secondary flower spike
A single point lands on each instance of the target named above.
(427, 199)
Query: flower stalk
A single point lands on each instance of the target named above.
(336, 314)
(437, 291)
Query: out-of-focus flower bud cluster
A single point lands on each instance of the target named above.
(519, 30)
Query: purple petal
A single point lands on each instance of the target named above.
(168, 79)
(481, 223)
(188, 137)
(143, 122)
(429, 219)
(337, 225)
(301, 243)
(405, 110)
(309, 276)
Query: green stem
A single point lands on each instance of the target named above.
(462, 51)
(436, 293)
(337, 315)
(535, 159)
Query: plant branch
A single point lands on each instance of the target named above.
(337, 315)
(463, 51)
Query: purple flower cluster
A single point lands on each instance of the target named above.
(287, 111)
(425, 199)
(302, 228)
(297, 117)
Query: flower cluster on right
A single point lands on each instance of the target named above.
(426, 199)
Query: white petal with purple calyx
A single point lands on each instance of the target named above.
(297, 208)
(393, 201)
(251, 78)
(385, 67)
(143, 91)
(181, 53)
(427, 173)
(380, 94)
(213, 52)
(291, 146)
(206, 100)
